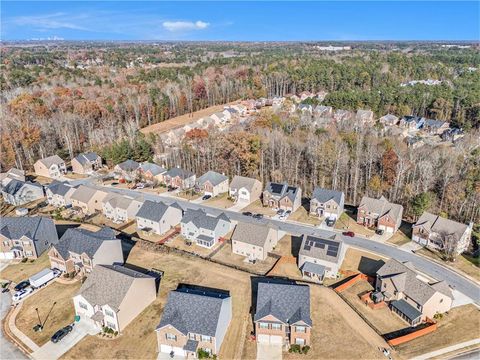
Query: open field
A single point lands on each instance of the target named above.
(361, 261)
(180, 121)
(301, 215)
(62, 314)
(347, 222)
(459, 325)
(220, 201)
(138, 340)
(256, 207)
(17, 272)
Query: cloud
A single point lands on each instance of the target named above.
(178, 26)
(47, 22)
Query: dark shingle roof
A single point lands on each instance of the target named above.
(322, 248)
(213, 177)
(87, 157)
(154, 211)
(281, 190)
(15, 186)
(60, 188)
(81, 241)
(154, 169)
(183, 174)
(202, 220)
(129, 165)
(313, 268)
(324, 195)
(405, 308)
(193, 311)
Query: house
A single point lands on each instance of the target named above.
(12, 174)
(435, 231)
(126, 170)
(305, 109)
(121, 208)
(365, 117)
(26, 237)
(151, 172)
(452, 134)
(411, 122)
(203, 229)
(89, 199)
(282, 196)
(321, 257)
(389, 120)
(327, 203)
(79, 250)
(410, 297)
(435, 127)
(282, 314)
(51, 167)
(379, 213)
(113, 295)
(59, 194)
(245, 190)
(179, 178)
(322, 111)
(343, 115)
(192, 320)
(86, 163)
(212, 183)
(255, 241)
(158, 217)
(18, 193)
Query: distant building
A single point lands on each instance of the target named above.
(51, 167)
(86, 163)
(18, 193)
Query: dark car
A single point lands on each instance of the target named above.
(330, 222)
(206, 197)
(379, 232)
(60, 334)
(348, 233)
(258, 216)
(247, 213)
(22, 285)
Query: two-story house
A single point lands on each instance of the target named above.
(88, 199)
(26, 237)
(51, 167)
(59, 194)
(157, 217)
(282, 196)
(380, 214)
(86, 163)
(121, 208)
(12, 174)
(179, 178)
(212, 183)
(245, 190)
(194, 319)
(255, 241)
(114, 295)
(435, 127)
(435, 231)
(327, 203)
(365, 117)
(411, 122)
(127, 170)
(18, 193)
(282, 314)
(389, 120)
(408, 295)
(151, 172)
(79, 250)
(321, 257)
(203, 229)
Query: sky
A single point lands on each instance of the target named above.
(240, 20)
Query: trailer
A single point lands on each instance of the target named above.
(42, 278)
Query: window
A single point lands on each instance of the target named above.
(441, 300)
(5, 243)
(172, 337)
(263, 325)
(276, 327)
(206, 338)
(191, 336)
(28, 253)
(299, 341)
(301, 329)
(83, 306)
(111, 325)
(109, 313)
(26, 243)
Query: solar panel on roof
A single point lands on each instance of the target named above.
(331, 252)
(307, 247)
(276, 188)
(319, 245)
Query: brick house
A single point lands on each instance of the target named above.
(380, 214)
(282, 196)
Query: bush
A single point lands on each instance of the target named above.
(305, 349)
(115, 333)
(202, 354)
(295, 349)
(24, 260)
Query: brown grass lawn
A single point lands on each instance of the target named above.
(257, 208)
(63, 312)
(221, 201)
(399, 239)
(460, 325)
(365, 262)
(178, 242)
(139, 341)
(301, 215)
(284, 246)
(345, 222)
(383, 319)
(22, 271)
(188, 195)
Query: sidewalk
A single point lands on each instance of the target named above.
(15, 331)
(447, 350)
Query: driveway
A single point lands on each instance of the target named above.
(7, 349)
(51, 351)
(269, 351)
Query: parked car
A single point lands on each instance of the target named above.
(280, 212)
(22, 294)
(60, 334)
(206, 197)
(22, 285)
(56, 272)
(114, 183)
(258, 216)
(288, 212)
(379, 231)
(348, 233)
(330, 222)
(247, 213)
(140, 186)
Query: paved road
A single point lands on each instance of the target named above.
(7, 349)
(439, 272)
(470, 355)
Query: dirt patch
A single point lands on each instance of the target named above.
(286, 266)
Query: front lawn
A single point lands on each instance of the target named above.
(20, 271)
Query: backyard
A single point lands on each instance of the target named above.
(17, 272)
(361, 261)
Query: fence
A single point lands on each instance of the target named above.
(413, 335)
(347, 284)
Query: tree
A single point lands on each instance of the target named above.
(421, 203)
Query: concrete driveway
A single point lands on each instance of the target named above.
(51, 351)
(7, 349)
(269, 351)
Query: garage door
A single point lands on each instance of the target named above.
(270, 339)
(6, 255)
(168, 349)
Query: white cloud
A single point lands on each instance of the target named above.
(50, 21)
(175, 26)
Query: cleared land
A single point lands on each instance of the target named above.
(301, 215)
(220, 201)
(22, 271)
(361, 261)
(257, 208)
(62, 313)
(347, 222)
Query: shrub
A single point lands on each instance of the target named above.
(24, 260)
(202, 354)
(115, 333)
(66, 275)
(305, 349)
(295, 349)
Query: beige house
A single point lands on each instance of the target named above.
(157, 217)
(51, 167)
(86, 163)
(212, 183)
(194, 319)
(121, 208)
(88, 199)
(254, 241)
(245, 190)
(282, 196)
(408, 295)
(114, 295)
(380, 214)
(59, 194)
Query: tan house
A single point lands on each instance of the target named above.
(86, 163)
(51, 167)
(282, 196)
(380, 214)
(194, 319)
(59, 194)
(254, 241)
(113, 295)
(127, 170)
(121, 208)
(88, 199)
(79, 250)
(212, 183)
(436, 232)
(245, 190)
(435, 127)
(179, 178)
(408, 296)
(365, 117)
(327, 203)
(151, 172)
(157, 217)
(282, 314)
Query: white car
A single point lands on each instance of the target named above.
(140, 186)
(19, 295)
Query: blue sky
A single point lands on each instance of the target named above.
(247, 20)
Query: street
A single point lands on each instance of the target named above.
(7, 349)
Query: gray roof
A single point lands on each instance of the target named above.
(40, 229)
(183, 174)
(109, 284)
(79, 241)
(324, 195)
(280, 190)
(49, 161)
(243, 182)
(191, 345)
(413, 119)
(202, 220)
(313, 268)
(154, 211)
(84, 193)
(435, 123)
(154, 169)
(122, 201)
(250, 233)
(15, 186)
(40, 274)
(289, 303)
(193, 311)
(213, 177)
(322, 248)
(440, 225)
(129, 165)
(60, 188)
(389, 118)
(382, 207)
(405, 308)
(85, 158)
